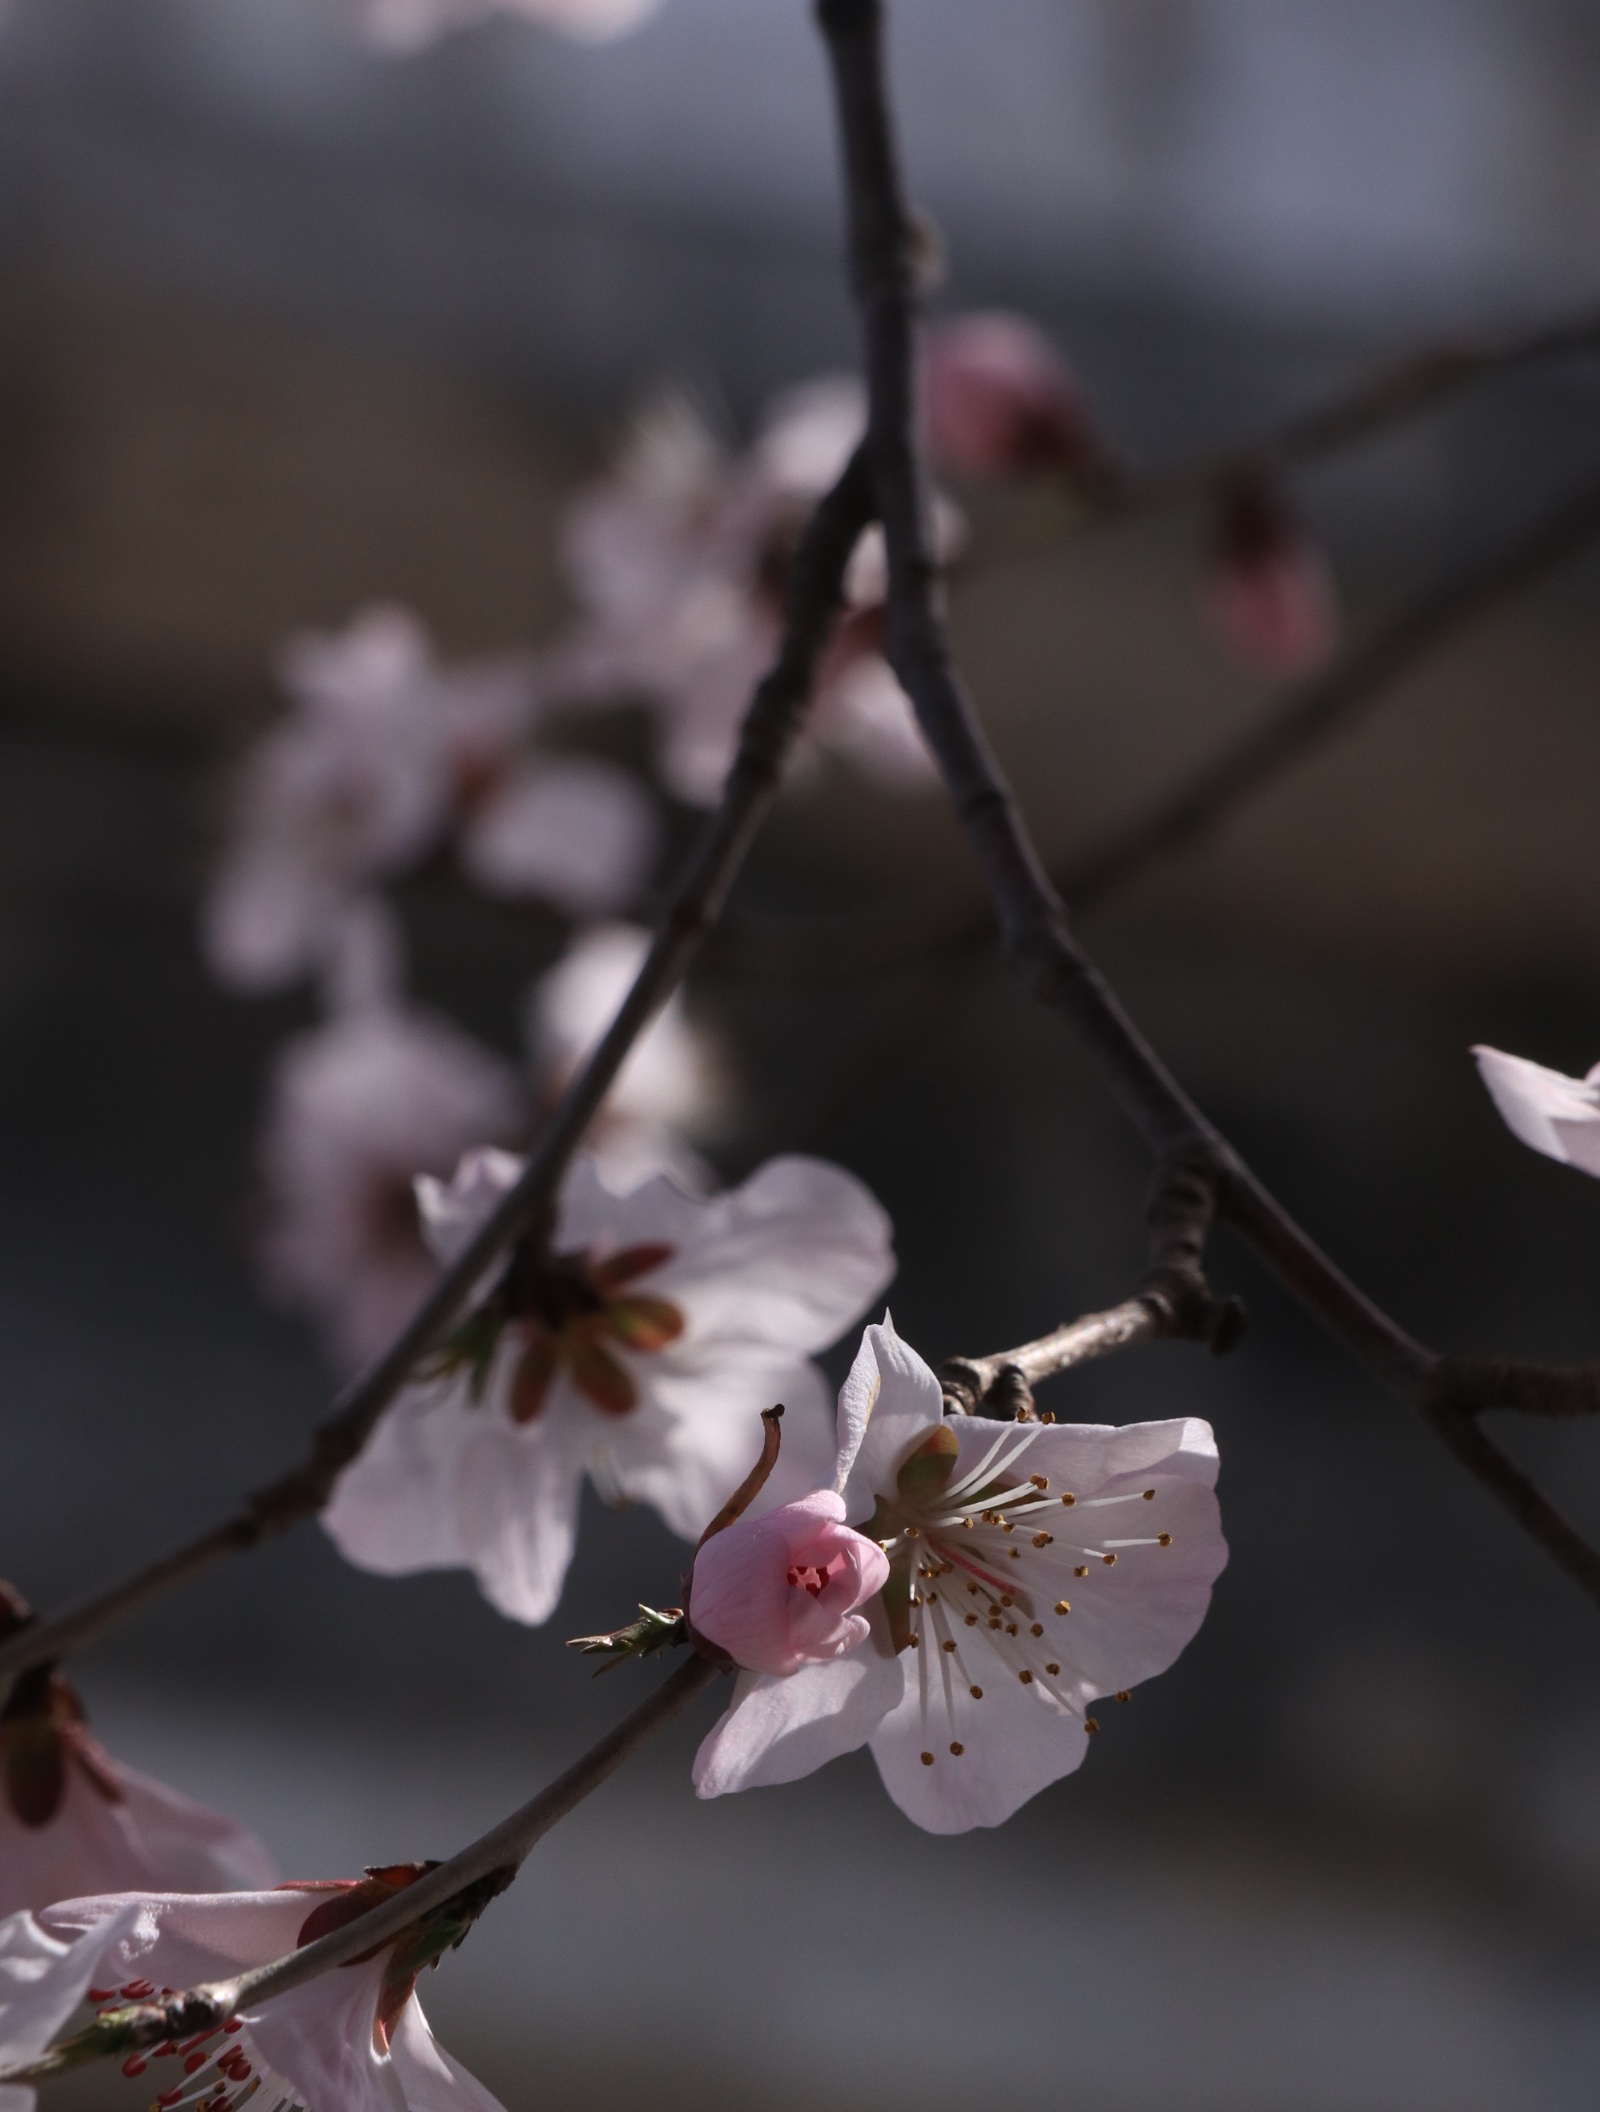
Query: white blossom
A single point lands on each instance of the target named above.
(640, 1351)
(1556, 1115)
(1033, 1567)
(678, 559)
(358, 1108)
(383, 752)
(671, 1089)
(75, 1820)
(354, 2039)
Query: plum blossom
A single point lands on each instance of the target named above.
(670, 1090)
(1031, 1568)
(639, 1350)
(354, 2038)
(998, 401)
(1556, 1115)
(408, 25)
(73, 1819)
(678, 559)
(384, 752)
(357, 1108)
(1269, 592)
(781, 1591)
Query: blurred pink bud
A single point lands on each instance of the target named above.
(998, 401)
(1270, 594)
(780, 1591)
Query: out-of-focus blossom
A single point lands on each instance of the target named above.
(670, 1090)
(408, 25)
(998, 401)
(679, 558)
(1269, 592)
(1556, 1115)
(781, 1591)
(354, 2038)
(358, 1108)
(572, 831)
(639, 1350)
(74, 1820)
(1031, 1567)
(382, 753)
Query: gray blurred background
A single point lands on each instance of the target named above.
(288, 326)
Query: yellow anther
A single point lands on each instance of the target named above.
(1163, 1539)
(916, 1642)
(927, 1759)
(1108, 1560)
(1007, 1525)
(969, 1525)
(1005, 1598)
(972, 1620)
(1052, 1670)
(913, 1532)
(1082, 1570)
(1040, 1481)
(958, 1750)
(1123, 1694)
(976, 1693)
(1149, 1495)
(1026, 1678)
(1069, 1499)
(1015, 1553)
(1090, 1725)
(1047, 1415)
(1062, 1606)
(947, 1646)
(1043, 1539)
(1037, 1628)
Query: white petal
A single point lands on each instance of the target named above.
(190, 1848)
(515, 1502)
(670, 1076)
(887, 1405)
(779, 1729)
(318, 2038)
(44, 1975)
(697, 1433)
(431, 2080)
(390, 1511)
(790, 1258)
(578, 833)
(263, 917)
(1016, 1740)
(453, 1211)
(180, 1939)
(1556, 1115)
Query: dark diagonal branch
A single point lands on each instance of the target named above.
(1033, 923)
(479, 1871)
(1395, 394)
(1332, 700)
(765, 744)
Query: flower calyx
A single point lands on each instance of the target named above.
(421, 1945)
(655, 1630)
(43, 1734)
(569, 1314)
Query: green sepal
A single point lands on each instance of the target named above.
(925, 1473)
(469, 1346)
(652, 1631)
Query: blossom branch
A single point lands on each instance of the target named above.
(766, 740)
(1407, 388)
(1174, 1300)
(1307, 715)
(1032, 918)
(468, 1880)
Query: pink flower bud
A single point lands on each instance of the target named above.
(780, 1591)
(999, 402)
(1270, 595)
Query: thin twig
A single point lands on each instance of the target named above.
(1405, 389)
(765, 744)
(1032, 919)
(495, 1855)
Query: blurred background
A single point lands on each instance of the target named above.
(293, 325)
